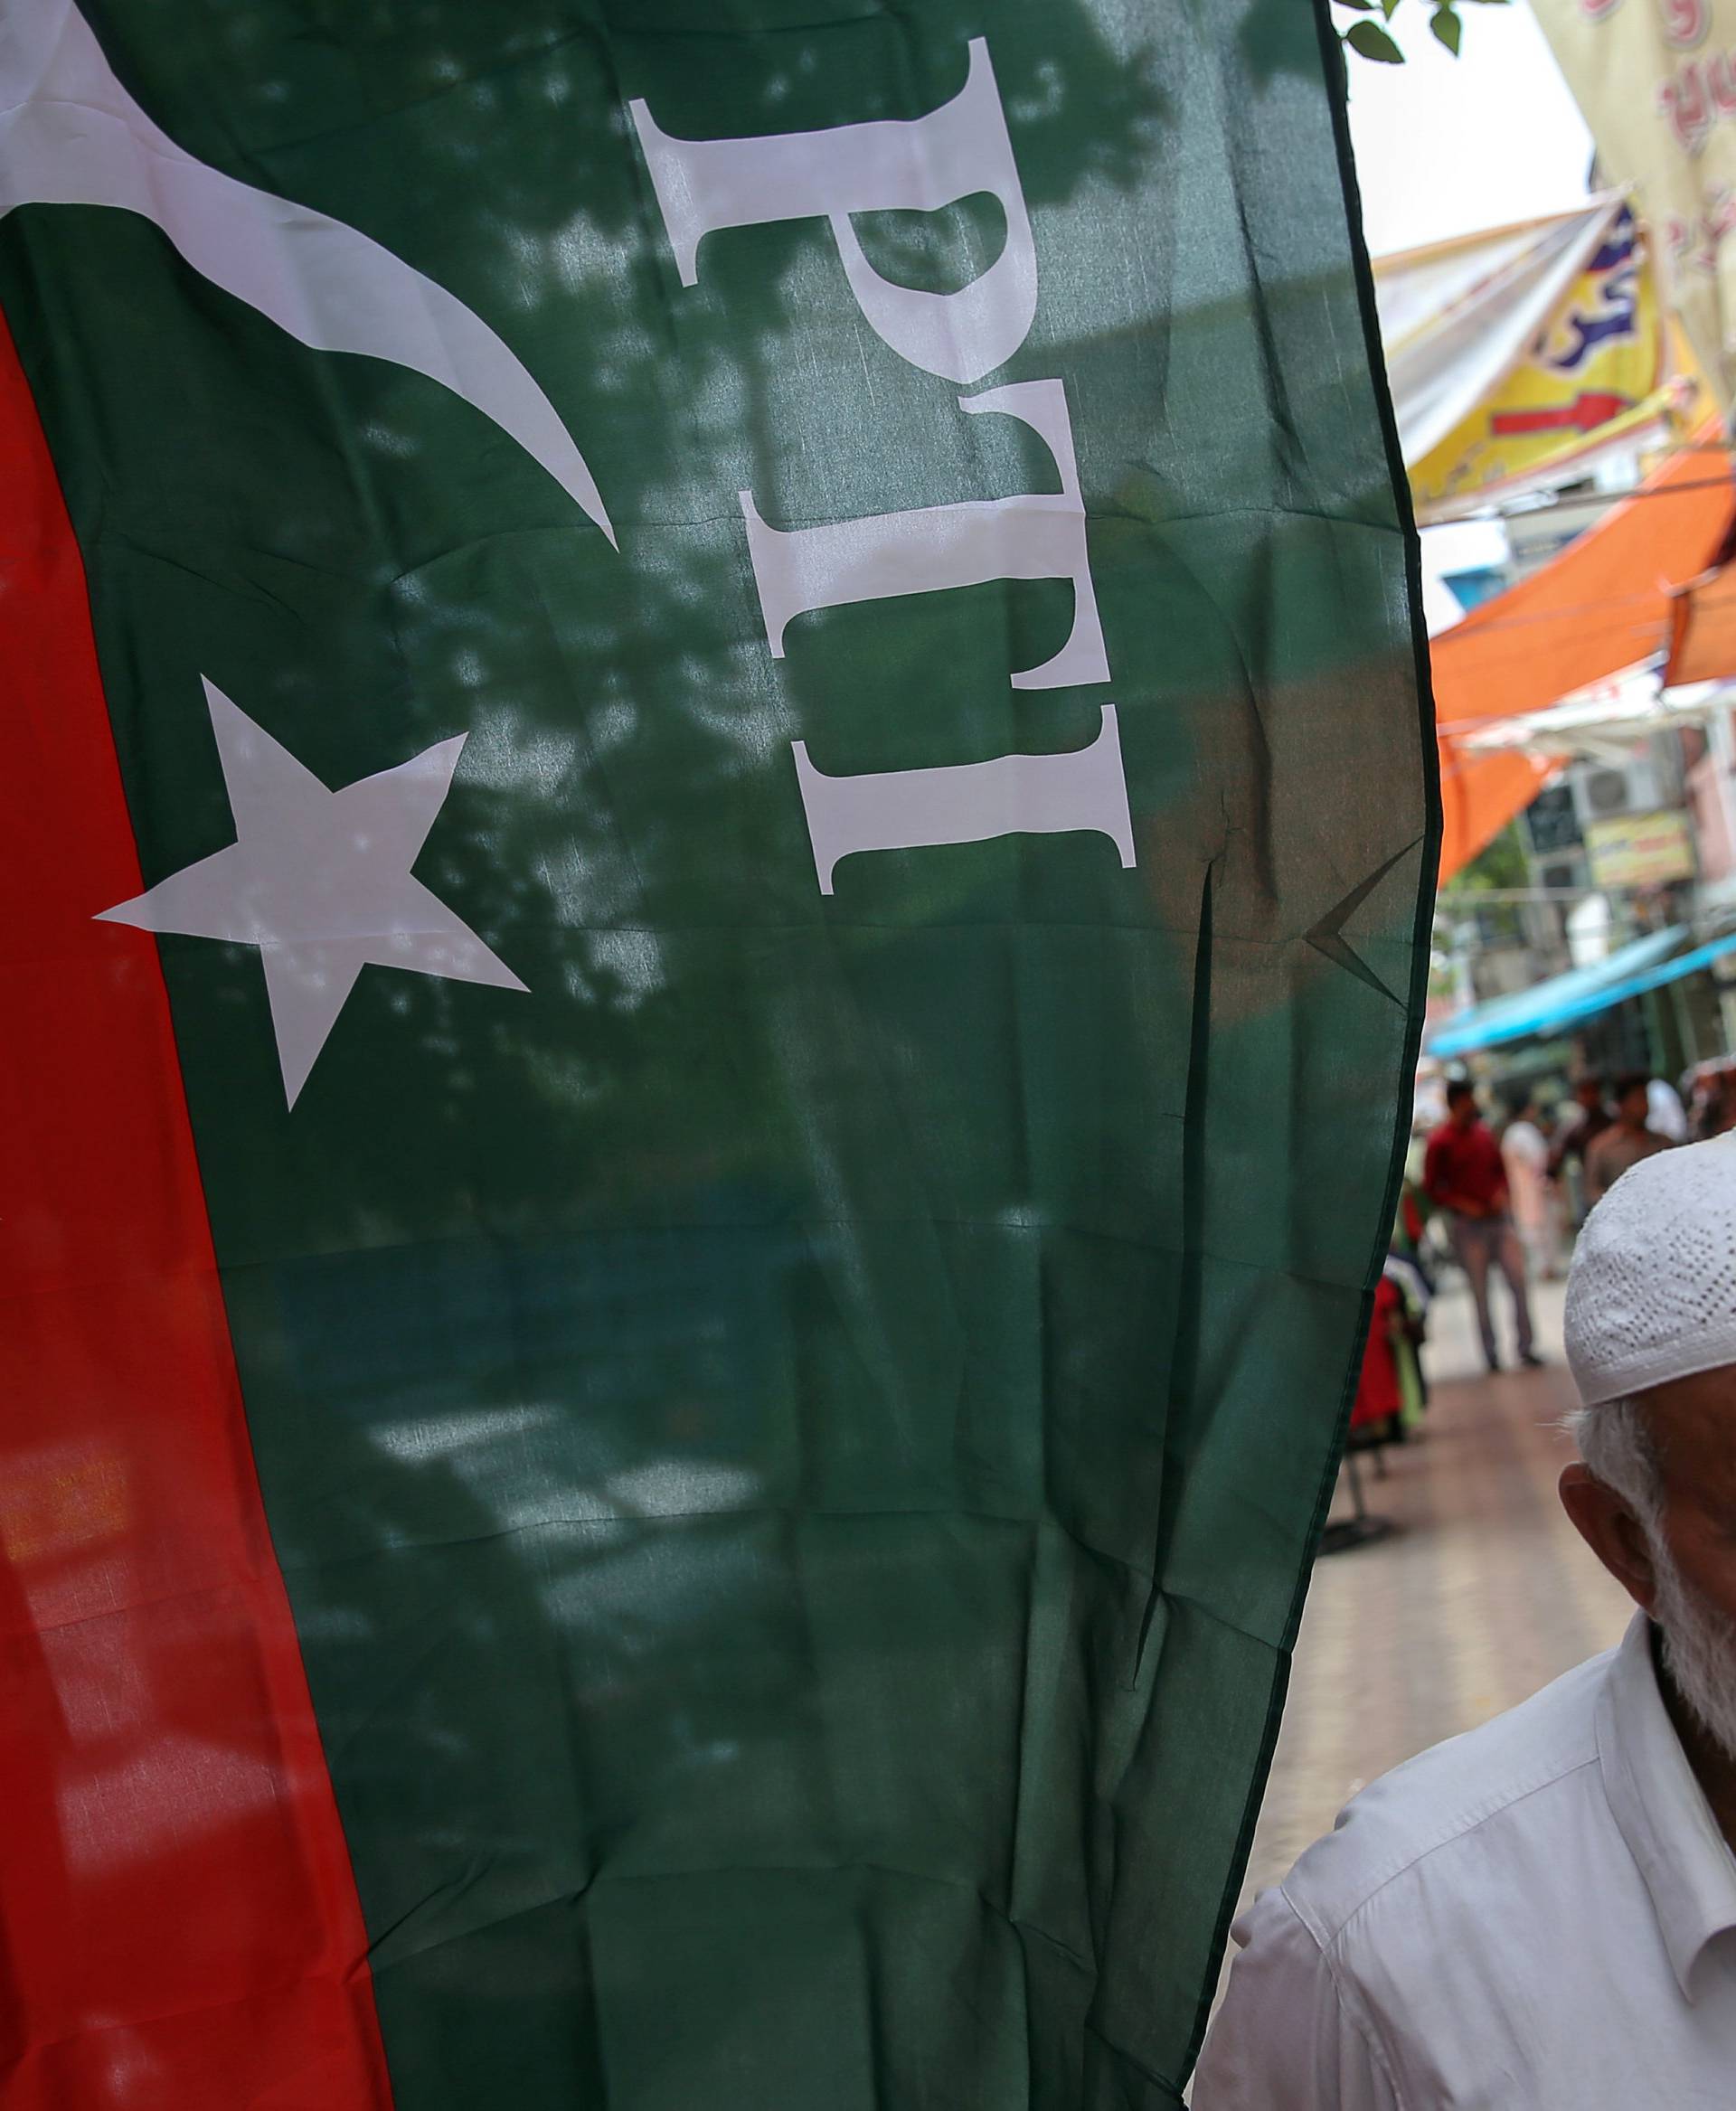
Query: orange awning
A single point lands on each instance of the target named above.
(1605, 602)
(1702, 628)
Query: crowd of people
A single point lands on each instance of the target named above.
(1507, 1202)
(1511, 1201)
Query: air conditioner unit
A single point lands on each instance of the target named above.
(1601, 789)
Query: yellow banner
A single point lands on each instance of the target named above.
(1596, 370)
(1640, 849)
(1656, 81)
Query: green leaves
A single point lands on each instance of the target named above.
(1372, 42)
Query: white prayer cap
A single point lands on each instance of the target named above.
(1652, 1292)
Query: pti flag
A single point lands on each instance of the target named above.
(716, 816)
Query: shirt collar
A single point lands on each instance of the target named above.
(1660, 1809)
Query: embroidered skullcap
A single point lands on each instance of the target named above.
(1652, 1292)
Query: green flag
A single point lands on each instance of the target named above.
(718, 836)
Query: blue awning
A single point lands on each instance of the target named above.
(1577, 994)
(1654, 978)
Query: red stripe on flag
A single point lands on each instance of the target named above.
(179, 1928)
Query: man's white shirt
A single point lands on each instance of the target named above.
(1539, 1914)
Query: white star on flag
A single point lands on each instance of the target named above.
(320, 881)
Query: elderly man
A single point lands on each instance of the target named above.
(1542, 1913)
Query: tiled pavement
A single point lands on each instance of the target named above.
(1484, 1593)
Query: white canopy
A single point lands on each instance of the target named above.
(1602, 720)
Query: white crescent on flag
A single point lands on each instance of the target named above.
(71, 135)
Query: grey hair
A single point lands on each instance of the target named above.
(1616, 1442)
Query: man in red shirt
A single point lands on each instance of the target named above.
(1463, 1174)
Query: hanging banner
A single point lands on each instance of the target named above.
(1656, 81)
(1457, 316)
(718, 827)
(1594, 371)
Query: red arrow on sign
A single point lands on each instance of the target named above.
(1590, 408)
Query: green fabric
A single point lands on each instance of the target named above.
(793, 1445)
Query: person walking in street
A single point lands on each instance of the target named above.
(1525, 1158)
(1463, 1174)
(1541, 1915)
(1627, 1140)
(1576, 1138)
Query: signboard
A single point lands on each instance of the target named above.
(1640, 849)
